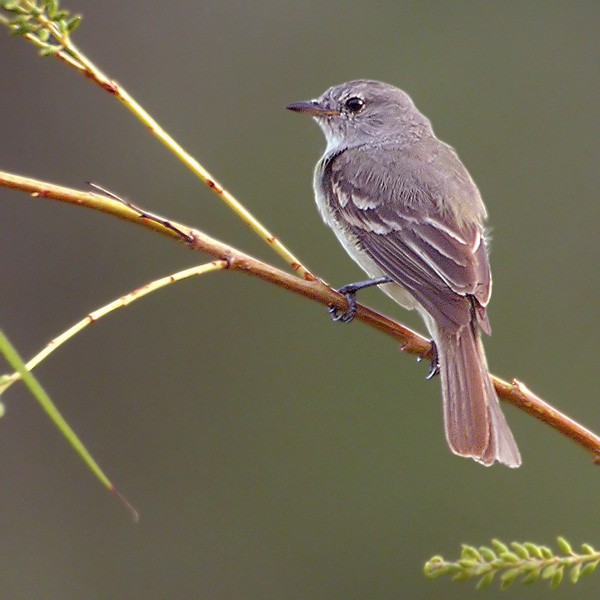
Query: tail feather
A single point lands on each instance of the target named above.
(475, 425)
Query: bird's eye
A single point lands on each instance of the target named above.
(354, 104)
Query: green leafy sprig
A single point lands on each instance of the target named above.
(43, 22)
(527, 562)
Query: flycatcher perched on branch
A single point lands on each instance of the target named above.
(407, 211)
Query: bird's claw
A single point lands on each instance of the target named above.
(434, 366)
(345, 316)
(434, 369)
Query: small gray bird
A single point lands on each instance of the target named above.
(405, 208)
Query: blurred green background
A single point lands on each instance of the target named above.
(272, 454)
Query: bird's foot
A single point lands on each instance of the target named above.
(349, 291)
(434, 366)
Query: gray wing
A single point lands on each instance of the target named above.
(418, 215)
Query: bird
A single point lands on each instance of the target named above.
(405, 208)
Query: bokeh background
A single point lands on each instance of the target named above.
(272, 454)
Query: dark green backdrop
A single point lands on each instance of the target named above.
(272, 454)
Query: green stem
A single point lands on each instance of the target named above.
(16, 362)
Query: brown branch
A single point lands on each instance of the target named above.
(515, 392)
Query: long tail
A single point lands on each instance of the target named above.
(475, 424)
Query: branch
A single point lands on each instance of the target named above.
(49, 28)
(515, 392)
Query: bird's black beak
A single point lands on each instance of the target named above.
(313, 108)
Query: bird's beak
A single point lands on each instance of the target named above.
(313, 108)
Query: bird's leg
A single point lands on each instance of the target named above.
(434, 367)
(349, 291)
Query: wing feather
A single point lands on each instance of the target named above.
(420, 221)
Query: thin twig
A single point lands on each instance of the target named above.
(121, 302)
(515, 393)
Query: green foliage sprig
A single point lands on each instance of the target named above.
(526, 561)
(43, 22)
